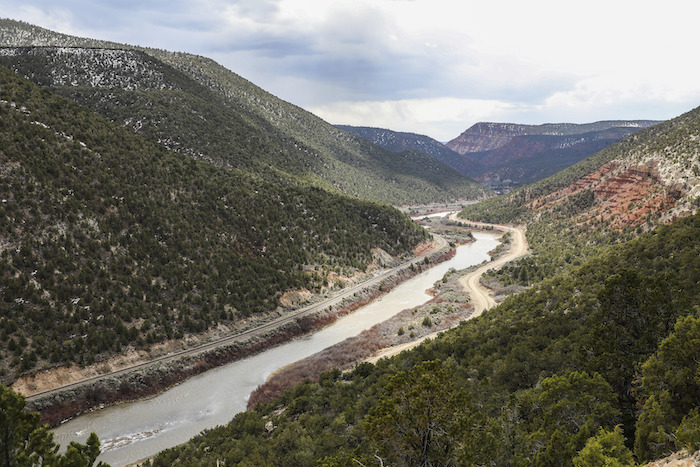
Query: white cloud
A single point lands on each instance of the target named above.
(440, 118)
(428, 66)
(58, 19)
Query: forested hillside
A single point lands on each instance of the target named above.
(590, 364)
(543, 379)
(109, 240)
(195, 106)
(400, 141)
(649, 178)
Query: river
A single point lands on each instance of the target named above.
(133, 431)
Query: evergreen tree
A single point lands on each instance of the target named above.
(24, 442)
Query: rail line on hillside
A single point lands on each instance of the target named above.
(253, 332)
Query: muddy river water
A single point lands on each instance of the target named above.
(133, 431)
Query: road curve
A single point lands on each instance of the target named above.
(245, 335)
(480, 296)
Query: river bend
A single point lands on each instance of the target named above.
(136, 430)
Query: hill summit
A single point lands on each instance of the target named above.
(195, 106)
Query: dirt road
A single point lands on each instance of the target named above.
(480, 297)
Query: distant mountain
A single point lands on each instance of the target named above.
(661, 164)
(195, 106)
(399, 141)
(512, 154)
(649, 178)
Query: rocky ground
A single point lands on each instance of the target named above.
(678, 459)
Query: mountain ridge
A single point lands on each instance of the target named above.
(255, 131)
(460, 144)
(516, 154)
(504, 155)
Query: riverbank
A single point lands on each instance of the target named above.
(134, 431)
(151, 378)
(434, 208)
(481, 295)
(471, 280)
(411, 327)
(445, 310)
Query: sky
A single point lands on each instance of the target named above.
(432, 67)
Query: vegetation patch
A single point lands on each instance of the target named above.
(543, 375)
(109, 242)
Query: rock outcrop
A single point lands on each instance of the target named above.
(510, 154)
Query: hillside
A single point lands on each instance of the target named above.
(593, 360)
(195, 106)
(108, 241)
(400, 141)
(664, 157)
(575, 366)
(507, 154)
(647, 179)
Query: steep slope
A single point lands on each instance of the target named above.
(661, 160)
(195, 106)
(511, 154)
(109, 242)
(400, 141)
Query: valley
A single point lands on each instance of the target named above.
(146, 427)
(78, 391)
(599, 298)
(504, 156)
(194, 271)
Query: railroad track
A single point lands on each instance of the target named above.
(253, 332)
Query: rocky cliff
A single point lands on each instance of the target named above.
(486, 136)
(506, 154)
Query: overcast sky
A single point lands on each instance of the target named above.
(432, 67)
